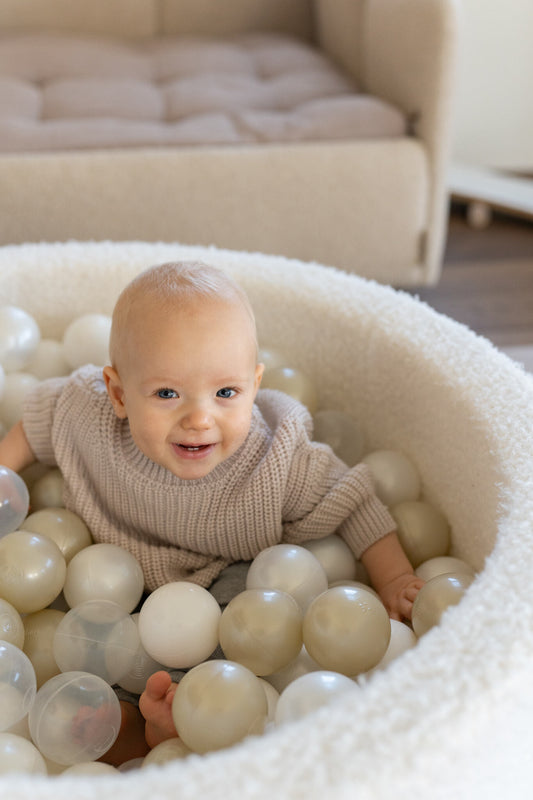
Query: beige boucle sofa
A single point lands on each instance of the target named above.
(316, 129)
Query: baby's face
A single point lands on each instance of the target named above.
(187, 385)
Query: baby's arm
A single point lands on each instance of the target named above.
(392, 575)
(15, 451)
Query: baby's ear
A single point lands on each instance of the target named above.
(115, 391)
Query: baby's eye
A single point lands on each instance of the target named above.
(167, 394)
(226, 393)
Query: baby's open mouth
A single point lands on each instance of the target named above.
(192, 448)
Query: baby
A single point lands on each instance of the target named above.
(172, 453)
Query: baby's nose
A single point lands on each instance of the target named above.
(197, 418)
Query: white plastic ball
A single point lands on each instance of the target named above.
(32, 570)
(11, 625)
(288, 568)
(16, 386)
(75, 717)
(17, 685)
(104, 572)
(337, 559)
(309, 692)
(65, 528)
(19, 336)
(19, 755)
(342, 433)
(402, 639)
(14, 500)
(134, 680)
(178, 624)
(86, 340)
(39, 630)
(294, 383)
(442, 564)
(395, 476)
(271, 357)
(47, 491)
(99, 637)
(48, 360)
(90, 768)
(166, 751)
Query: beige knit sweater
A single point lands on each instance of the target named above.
(278, 487)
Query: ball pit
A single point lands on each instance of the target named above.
(416, 382)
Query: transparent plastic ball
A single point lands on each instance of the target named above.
(14, 500)
(11, 625)
(65, 528)
(86, 340)
(19, 755)
(342, 433)
(75, 717)
(104, 572)
(19, 336)
(143, 665)
(99, 637)
(310, 692)
(396, 477)
(17, 685)
(32, 570)
(288, 568)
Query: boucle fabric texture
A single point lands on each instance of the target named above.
(452, 716)
(71, 91)
(278, 487)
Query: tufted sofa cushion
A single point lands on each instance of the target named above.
(64, 92)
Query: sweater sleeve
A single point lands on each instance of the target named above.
(38, 416)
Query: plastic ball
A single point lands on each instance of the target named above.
(17, 685)
(142, 667)
(422, 530)
(166, 751)
(14, 500)
(90, 768)
(402, 639)
(271, 357)
(86, 340)
(99, 637)
(47, 491)
(395, 476)
(302, 664)
(347, 630)
(217, 704)
(48, 360)
(65, 528)
(342, 433)
(288, 568)
(261, 629)
(178, 624)
(17, 754)
(11, 625)
(294, 383)
(309, 692)
(272, 696)
(39, 630)
(104, 572)
(32, 570)
(442, 564)
(337, 559)
(75, 717)
(2, 380)
(16, 386)
(19, 336)
(435, 597)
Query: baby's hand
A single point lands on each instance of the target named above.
(399, 594)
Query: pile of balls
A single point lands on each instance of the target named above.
(74, 621)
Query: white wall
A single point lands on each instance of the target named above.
(494, 111)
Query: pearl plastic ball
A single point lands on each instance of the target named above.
(61, 713)
(288, 568)
(90, 768)
(347, 629)
(19, 336)
(294, 383)
(261, 629)
(86, 340)
(48, 360)
(17, 754)
(217, 704)
(342, 433)
(166, 751)
(16, 386)
(47, 491)
(422, 530)
(104, 572)
(11, 625)
(2, 380)
(178, 624)
(395, 476)
(435, 597)
(142, 667)
(65, 528)
(309, 692)
(271, 357)
(32, 570)
(442, 564)
(302, 664)
(39, 630)
(272, 696)
(402, 639)
(17, 685)
(337, 559)
(14, 500)
(99, 637)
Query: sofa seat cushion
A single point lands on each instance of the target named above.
(67, 92)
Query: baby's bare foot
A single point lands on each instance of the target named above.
(155, 705)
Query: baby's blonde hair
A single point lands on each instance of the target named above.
(171, 287)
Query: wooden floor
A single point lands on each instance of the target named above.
(487, 279)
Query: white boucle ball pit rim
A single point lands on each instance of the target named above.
(452, 716)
